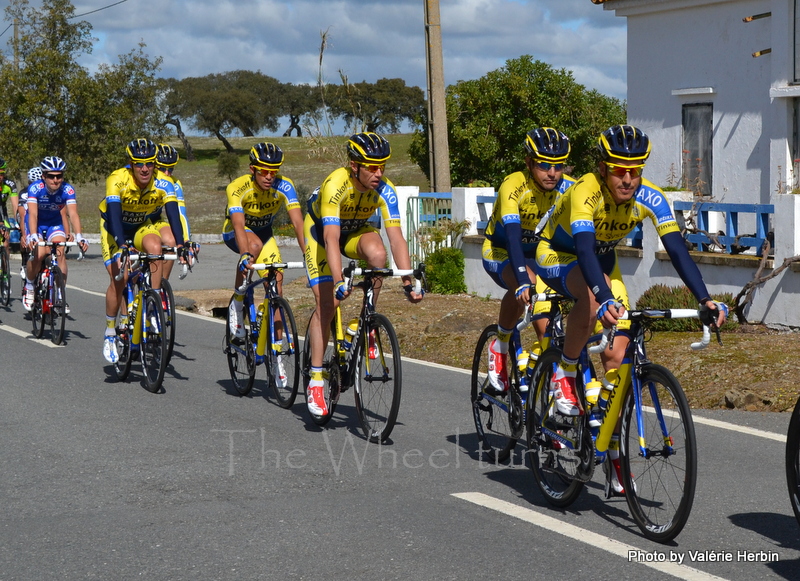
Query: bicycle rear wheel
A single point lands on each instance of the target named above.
(5, 277)
(154, 341)
(169, 315)
(793, 460)
(58, 301)
(490, 413)
(330, 373)
(283, 355)
(123, 365)
(557, 468)
(659, 484)
(241, 354)
(378, 379)
(37, 309)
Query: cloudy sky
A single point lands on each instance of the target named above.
(368, 39)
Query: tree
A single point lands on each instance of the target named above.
(489, 117)
(378, 106)
(219, 104)
(300, 100)
(50, 105)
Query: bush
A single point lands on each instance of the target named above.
(661, 296)
(228, 165)
(445, 271)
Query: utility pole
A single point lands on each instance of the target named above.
(437, 113)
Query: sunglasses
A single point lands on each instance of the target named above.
(141, 164)
(621, 170)
(265, 172)
(54, 176)
(547, 166)
(166, 170)
(374, 168)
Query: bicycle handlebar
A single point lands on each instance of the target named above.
(276, 265)
(608, 334)
(527, 316)
(351, 271)
(67, 244)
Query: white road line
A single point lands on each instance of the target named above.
(732, 427)
(610, 545)
(27, 335)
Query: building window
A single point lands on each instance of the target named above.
(696, 161)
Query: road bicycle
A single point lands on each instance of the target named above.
(658, 449)
(142, 331)
(270, 337)
(793, 460)
(50, 294)
(500, 419)
(171, 253)
(366, 356)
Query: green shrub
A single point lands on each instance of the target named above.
(228, 165)
(445, 271)
(665, 297)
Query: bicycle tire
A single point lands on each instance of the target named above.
(659, 488)
(378, 378)
(331, 375)
(793, 460)
(5, 277)
(124, 359)
(37, 308)
(58, 300)
(170, 316)
(554, 466)
(154, 342)
(241, 354)
(286, 358)
(495, 433)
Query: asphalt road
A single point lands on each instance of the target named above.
(101, 479)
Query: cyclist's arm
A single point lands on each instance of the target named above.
(239, 232)
(685, 266)
(399, 246)
(114, 221)
(66, 223)
(296, 216)
(174, 218)
(331, 234)
(515, 254)
(590, 266)
(33, 217)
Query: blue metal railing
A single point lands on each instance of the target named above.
(761, 213)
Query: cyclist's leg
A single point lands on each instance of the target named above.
(321, 281)
(111, 253)
(271, 253)
(366, 243)
(148, 240)
(167, 239)
(497, 265)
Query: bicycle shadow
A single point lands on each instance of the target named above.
(782, 529)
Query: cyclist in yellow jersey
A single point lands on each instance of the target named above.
(336, 225)
(166, 160)
(131, 211)
(509, 248)
(586, 224)
(253, 201)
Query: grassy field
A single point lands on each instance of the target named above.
(308, 161)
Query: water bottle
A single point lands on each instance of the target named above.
(349, 333)
(609, 383)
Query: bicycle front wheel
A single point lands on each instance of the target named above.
(378, 379)
(556, 467)
(169, 315)
(154, 341)
(123, 365)
(5, 277)
(241, 355)
(793, 460)
(660, 480)
(283, 354)
(58, 301)
(490, 413)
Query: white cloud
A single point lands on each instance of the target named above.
(368, 39)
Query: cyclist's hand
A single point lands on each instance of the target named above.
(610, 312)
(523, 295)
(83, 243)
(245, 260)
(411, 295)
(31, 240)
(340, 291)
(713, 314)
